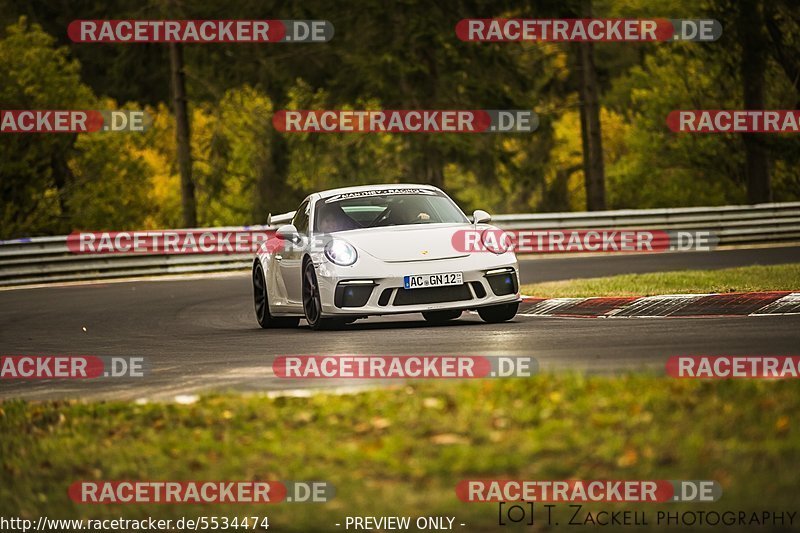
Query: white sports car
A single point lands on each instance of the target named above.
(375, 250)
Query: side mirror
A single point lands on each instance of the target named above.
(479, 216)
(287, 233)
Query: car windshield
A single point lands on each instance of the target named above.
(382, 208)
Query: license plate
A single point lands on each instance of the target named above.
(433, 280)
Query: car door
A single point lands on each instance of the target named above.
(290, 260)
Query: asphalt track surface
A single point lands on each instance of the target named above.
(200, 335)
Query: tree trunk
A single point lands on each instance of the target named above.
(593, 170)
(752, 67)
(182, 136)
(591, 138)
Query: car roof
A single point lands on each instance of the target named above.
(361, 188)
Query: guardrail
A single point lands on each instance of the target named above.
(47, 259)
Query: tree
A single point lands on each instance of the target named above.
(34, 174)
(111, 179)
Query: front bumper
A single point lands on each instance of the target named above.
(347, 291)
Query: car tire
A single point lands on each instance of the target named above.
(441, 317)
(312, 302)
(498, 313)
(261, 301)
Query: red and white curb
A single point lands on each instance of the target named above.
(669, 305)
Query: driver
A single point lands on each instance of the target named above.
(406, 213)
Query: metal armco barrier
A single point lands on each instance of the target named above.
(47, 259)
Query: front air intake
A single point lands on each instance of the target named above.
(348, 295)
(503, 283)
(432, 295)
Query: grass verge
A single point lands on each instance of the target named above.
(742, 279)
(401, 451)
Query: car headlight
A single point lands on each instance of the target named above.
(497, 241)
(340, 253)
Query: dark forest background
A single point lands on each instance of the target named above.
(394, 55)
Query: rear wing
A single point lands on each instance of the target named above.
(279, 220)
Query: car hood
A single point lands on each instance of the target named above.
(408, 243)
